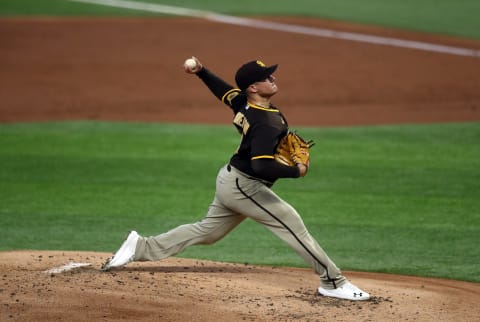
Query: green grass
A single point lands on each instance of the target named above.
(61, 8)
(398, 199)
(457, 18)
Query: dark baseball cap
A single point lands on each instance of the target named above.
(251, 72)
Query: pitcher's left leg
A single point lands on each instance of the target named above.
(284, 221)
(264, 206)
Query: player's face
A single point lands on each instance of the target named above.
(267, 87)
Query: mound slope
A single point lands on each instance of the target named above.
(179, 289)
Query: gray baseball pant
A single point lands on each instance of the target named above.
(237, 197)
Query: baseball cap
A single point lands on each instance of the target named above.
(251, 72)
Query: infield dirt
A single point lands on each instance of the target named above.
(131, 69)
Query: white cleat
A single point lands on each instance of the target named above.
(347, 291)
(125, 254)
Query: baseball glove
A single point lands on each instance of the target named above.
(293, 149)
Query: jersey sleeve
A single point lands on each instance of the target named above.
(272, 170)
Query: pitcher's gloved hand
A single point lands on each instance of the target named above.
(293, 149)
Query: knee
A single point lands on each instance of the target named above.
(210, 239)
(209, 235)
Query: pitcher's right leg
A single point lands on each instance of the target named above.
(218, 222)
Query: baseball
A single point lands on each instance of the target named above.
(191, 63)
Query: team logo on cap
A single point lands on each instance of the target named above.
(260, 63)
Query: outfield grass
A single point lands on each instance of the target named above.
(457, 18)
(398, 199)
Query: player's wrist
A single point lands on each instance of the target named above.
(302, 168)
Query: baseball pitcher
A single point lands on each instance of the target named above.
(267, 151)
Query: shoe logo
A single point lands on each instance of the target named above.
(359, 294)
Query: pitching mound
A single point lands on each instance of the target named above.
(69, 286)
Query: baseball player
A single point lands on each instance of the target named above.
(244, 184)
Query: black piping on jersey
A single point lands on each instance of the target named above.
(289, 229)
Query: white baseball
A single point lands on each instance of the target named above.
(191, 63)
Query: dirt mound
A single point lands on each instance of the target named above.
(191, 290)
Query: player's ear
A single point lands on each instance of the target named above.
(252, 88)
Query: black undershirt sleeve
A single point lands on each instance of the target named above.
(216, 85)
(272, 170)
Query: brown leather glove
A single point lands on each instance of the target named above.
(293, 149)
